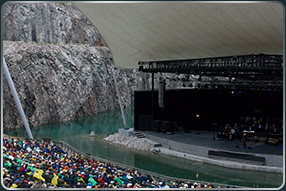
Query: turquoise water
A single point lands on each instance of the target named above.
(76, 133)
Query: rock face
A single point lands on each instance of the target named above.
(61, 67)
(59, 83)
(60, 23)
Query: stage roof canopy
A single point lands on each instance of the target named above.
(184, 30)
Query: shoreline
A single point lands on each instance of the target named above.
(145, 144)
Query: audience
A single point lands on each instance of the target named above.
(38, 164)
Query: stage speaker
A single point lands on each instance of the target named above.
(156, 126)
(166, 126)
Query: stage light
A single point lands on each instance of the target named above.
(232, 92)
(197, 115)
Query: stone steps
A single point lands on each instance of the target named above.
(139, 135)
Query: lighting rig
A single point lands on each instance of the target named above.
(248, 72)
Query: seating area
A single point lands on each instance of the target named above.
(43, 164)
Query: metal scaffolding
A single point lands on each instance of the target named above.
(253, 66)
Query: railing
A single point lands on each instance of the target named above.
(155, 176)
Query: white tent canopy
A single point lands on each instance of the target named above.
(183, 30)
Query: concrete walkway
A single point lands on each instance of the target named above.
(196, 147)
(220, 162)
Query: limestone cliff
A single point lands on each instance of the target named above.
(59, 63)
(58, 83)
(57, 23)
(62, 67)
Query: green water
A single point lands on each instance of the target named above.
(76, 133)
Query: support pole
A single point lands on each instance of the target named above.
(16, 98)
(119, 99)
(152, 98)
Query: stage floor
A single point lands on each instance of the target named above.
(206, 139)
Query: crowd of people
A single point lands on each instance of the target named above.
(39, 164)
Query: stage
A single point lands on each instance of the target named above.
(206, 144)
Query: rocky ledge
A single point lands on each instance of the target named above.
(141, 144)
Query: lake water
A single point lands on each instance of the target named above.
(76, 133)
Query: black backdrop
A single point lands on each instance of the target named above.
(219, 106)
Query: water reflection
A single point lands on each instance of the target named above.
(76, 133)
(102, 124)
